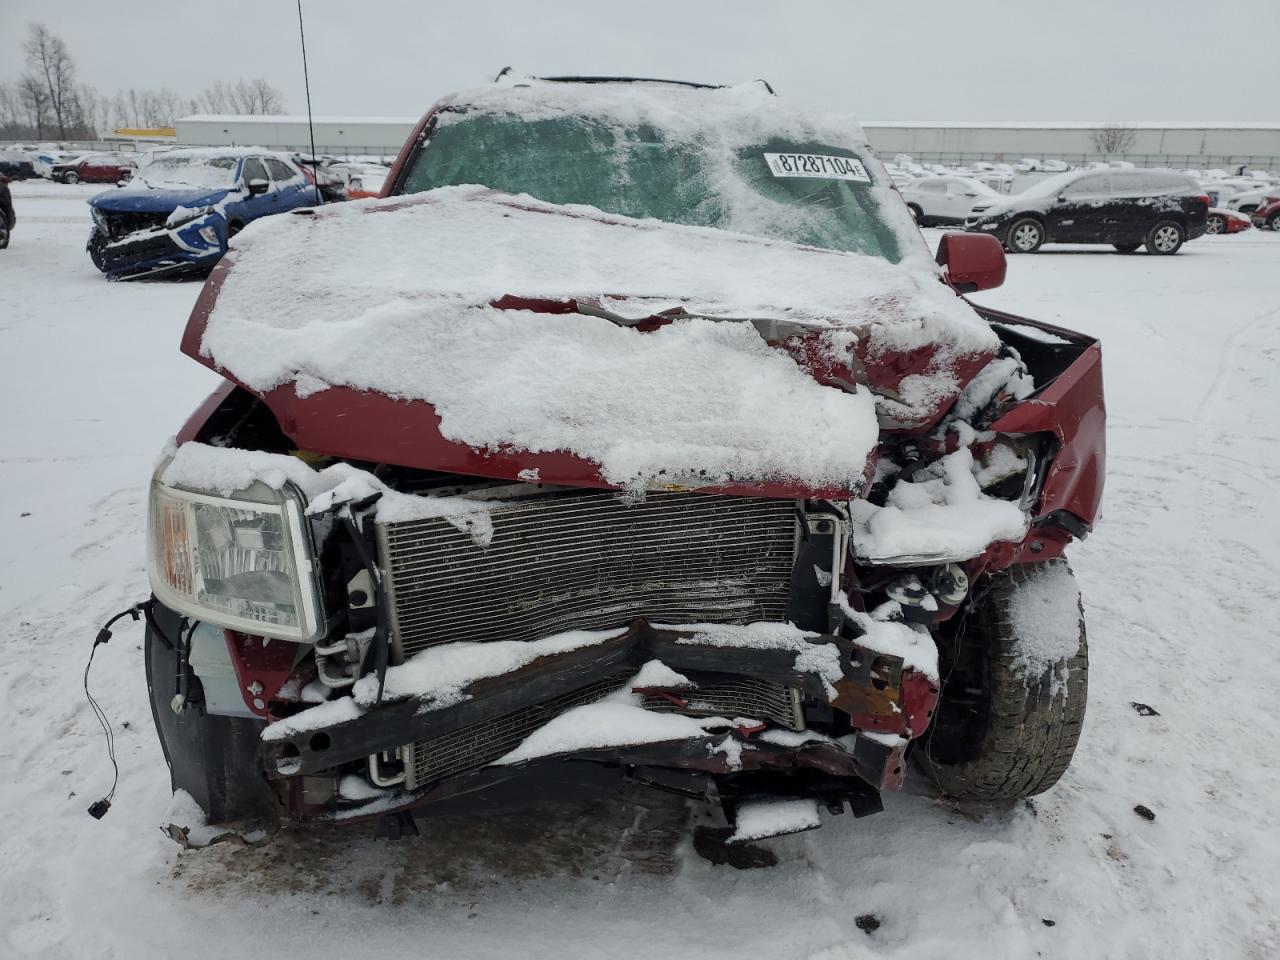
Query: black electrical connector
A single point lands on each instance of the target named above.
(98, 809)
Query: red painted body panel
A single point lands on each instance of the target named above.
(1072, 408)
(266, 662)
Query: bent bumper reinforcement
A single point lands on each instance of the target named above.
(873, 690)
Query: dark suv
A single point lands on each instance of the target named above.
(1125, 208)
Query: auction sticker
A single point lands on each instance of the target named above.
(816, 165)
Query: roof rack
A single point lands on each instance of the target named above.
(677, 83)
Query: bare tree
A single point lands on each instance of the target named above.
(10, 106)
(49, 65)
(1113, 138)
(251, 97)
(33, 101)
(95, 111)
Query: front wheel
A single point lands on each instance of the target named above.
(1273, 221)
(1017, 679)
(1025, 236)
(1165, 238)
(71, 177)
(1216, 223)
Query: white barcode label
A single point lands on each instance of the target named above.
(816, 165)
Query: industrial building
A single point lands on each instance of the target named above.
(1153, 144)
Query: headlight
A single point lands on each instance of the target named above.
(185, 215)
(241, 562)
(100, 219)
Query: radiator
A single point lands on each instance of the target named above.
(586, 559)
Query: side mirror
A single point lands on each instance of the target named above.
(972, 261)
(258, 187)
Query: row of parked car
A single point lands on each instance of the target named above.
(1125, 206)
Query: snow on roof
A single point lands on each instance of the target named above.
(394, 296)
(744, 113)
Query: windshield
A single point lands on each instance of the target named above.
(809, 193)
(165, 170)
(977, 186)
(1051, 186)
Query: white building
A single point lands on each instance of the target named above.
(1174, 144)
(333, 135)
(1162, 144)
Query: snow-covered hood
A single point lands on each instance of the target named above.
(481, 333)
(137, 197)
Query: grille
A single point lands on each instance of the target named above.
(484, 742)
(740, 697)
(588, 560)
(122, 224)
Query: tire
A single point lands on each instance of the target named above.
(1165, 239)
(1215, 224)
(1025, 236)
(916, 214)
(1126, 247)
(1273, 221)
(234, 227)
(4, 231)
(71, 177)
(1011, 733)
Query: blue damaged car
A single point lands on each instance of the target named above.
(177, 213)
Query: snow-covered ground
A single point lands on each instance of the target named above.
(1181, 593)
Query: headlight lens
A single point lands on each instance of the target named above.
(185, 215)
(241, 562)
(99, 218)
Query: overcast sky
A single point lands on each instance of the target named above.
(1092, 60)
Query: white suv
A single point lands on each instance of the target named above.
(944, 200)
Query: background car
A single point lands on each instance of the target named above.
(1225, 221)
(6, 211)
(94, 168)
(45, 159)
(944, 200)
(182, 206)
(1126, 208)
(16, 165)
(1248, 200)
(1267, 214)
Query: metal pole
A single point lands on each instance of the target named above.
(306, 80)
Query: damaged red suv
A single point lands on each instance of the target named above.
(632, 439)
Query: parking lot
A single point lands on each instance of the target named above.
(1179, 581)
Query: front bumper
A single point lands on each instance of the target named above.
(237, 775)
(986, 223)
(195, 245)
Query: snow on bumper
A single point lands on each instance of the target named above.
(618, 723)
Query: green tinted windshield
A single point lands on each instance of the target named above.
(817, 195)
